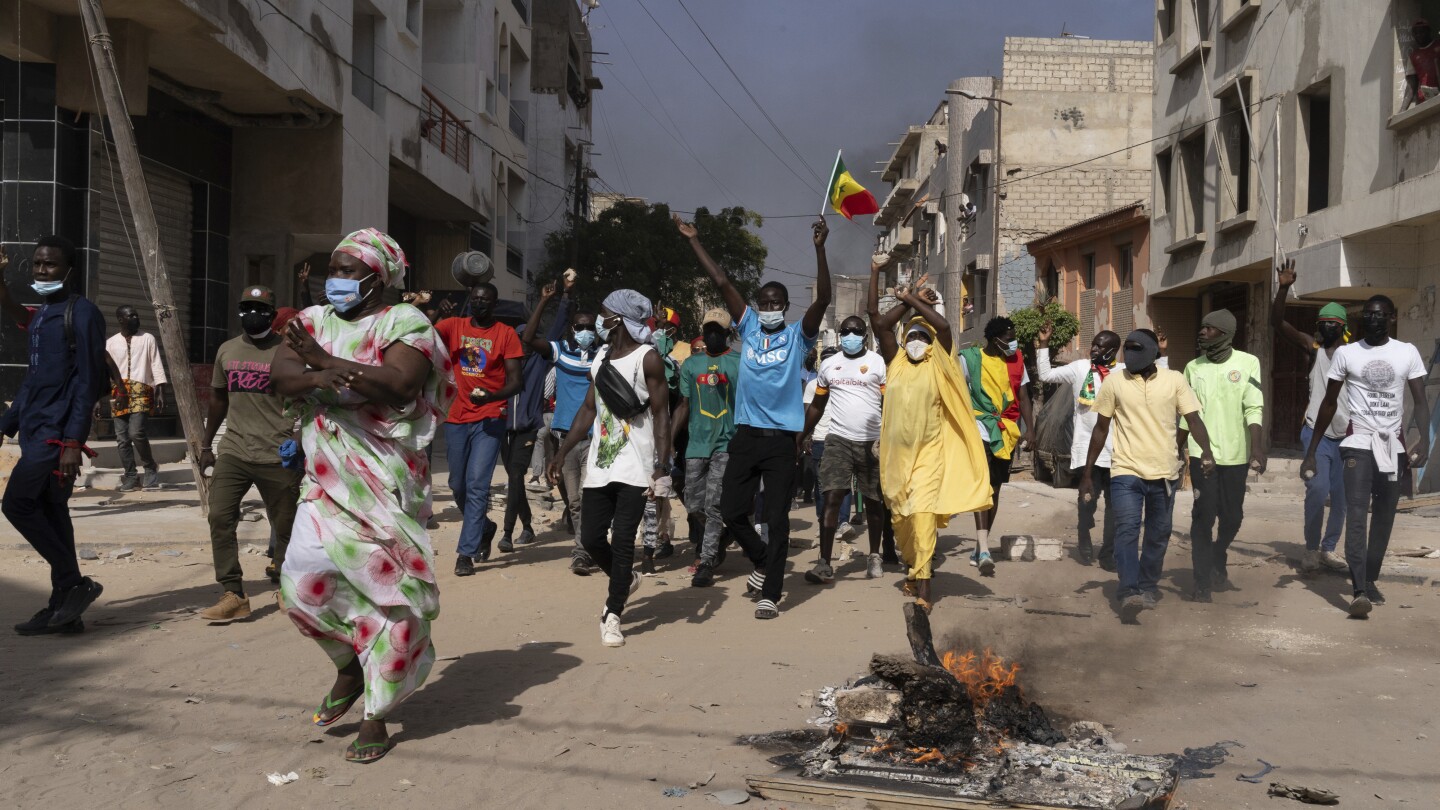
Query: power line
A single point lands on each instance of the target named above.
(614, 145)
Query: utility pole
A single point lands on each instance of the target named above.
(578, 211)
(172, 338)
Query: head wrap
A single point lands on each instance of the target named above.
(379, 252)
(1221, 319)
(1217, 349)
(1335, 311)
(634, 309)
(919, 324)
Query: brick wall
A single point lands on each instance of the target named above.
(1071, 65)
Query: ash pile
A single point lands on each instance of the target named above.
(959, 725)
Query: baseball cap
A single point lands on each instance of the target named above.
(257, 292)
(717, 316)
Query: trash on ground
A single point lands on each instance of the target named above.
(1255, 779)
(278, 779)
(730, 797)
(675, 792)
(1300, 793)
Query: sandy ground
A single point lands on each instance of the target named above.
(154, 708)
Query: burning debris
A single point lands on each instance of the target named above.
(959, 726)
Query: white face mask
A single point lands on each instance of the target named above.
(1012, 347)
(917, 349)
(771, 320)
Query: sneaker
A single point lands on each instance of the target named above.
(986, 565)
(1131, 606)
(846, 530)
(1201, 595)
(754, 583)
(1151, 600)
(1333, 561)
(464, 566)
(231, 607)
(765, 609)
(526, 538)
(1373, 594)
(975, 557)
(580, 567)
(874, 567)
(1360, 606)
(1310, 561)
(664, 549)
(39, 625)
(506, 545)
(1222, 581)
(1086, 553)
(821, 574)
(610, 634)
(128, 483)
(152, 480)
(704, 575)
(634, 583)
(77, 599)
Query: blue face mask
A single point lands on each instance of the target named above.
(584, 338)
(47, 288)
(1011, 348)
(344, 293)
(771, 320)
(852, 344)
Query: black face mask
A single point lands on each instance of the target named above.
(1330, 333)
(133, 324)
(1376, 326)
(1103, 357)
(256, 323)
(716, 342)
(482, 310)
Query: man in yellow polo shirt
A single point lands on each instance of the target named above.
(1143, 402)
(1232, 406)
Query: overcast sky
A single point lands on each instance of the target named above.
(834, 74)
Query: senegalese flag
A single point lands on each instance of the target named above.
(846, 196)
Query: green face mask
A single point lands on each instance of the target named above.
(664, 343)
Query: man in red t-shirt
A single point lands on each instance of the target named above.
(486, 358)
(1423, 77)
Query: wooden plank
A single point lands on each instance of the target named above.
(836, 794)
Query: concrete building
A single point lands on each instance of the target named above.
(1295, 115)
(1096, 269)
(270, 131)
(1033, 152)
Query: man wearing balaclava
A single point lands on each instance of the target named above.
(1374, 374)
(1143, 402)
(1232, 406)
(1328, 484)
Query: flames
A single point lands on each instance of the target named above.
(985, 676)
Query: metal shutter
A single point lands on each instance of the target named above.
(120, 277)
(1122, 312)
(1087, 319)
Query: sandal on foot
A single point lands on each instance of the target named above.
(327, 704)
(924, 605)
(910, 588)
(356, 752)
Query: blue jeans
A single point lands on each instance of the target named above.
(1328, 484)
(472, 448)
(1139, 564)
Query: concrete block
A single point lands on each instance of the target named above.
(1027, 548)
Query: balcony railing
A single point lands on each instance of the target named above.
(517, 119)
(440, 127)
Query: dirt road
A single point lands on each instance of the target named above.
(154, 708)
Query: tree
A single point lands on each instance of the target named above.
(635, 245)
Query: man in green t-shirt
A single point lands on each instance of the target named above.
(1232, 406)
(255, 427)
(707, 383)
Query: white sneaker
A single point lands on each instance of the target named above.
(634, 582)
(610, 634)
(1333, 561)
(842, 532)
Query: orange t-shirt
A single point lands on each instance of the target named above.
(479, 355)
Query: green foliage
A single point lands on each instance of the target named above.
(635, 245)
(1030, 320)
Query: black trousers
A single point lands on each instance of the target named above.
(1371, 497)
(758, 455)
(617, 509)
(516, 453)
(1218, 497)
(37, 504)
(1100, 477)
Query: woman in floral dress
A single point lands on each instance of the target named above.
(370, 383)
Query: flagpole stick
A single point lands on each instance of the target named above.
(825, 201)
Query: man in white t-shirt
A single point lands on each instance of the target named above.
(1085, 378)
(1373, 375)
(855, 380)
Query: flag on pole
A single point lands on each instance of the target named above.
(846, 196)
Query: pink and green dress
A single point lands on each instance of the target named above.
(359, 576)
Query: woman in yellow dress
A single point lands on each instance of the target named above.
(932, 464)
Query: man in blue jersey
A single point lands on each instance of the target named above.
(572, 355)
(769, 413)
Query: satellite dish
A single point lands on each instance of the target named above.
(471, 268)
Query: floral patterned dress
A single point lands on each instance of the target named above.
(359, 575)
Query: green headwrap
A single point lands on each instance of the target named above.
(1334, 311)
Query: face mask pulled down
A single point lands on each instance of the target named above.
(48, 288)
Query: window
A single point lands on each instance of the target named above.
(1190, 199)
(979, 289)
(1419, 63)
(481, 240)
(1234, 131)
(1204, 10)
(1052, 282)
(1165, 19)
(1312, 152)
(977, 186)
(1087, 272)
(362, 59)
(412, 16)
(1125, 267)
(1164, 201)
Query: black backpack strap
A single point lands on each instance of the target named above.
(70, 326)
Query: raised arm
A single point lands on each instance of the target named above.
(1283, 283)
(733, 302)
(538, 345)
(883, 324)
(923, 299)
(815, 315)
(1043, 367)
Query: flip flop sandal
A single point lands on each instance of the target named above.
(354, 752)
(327, 704)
